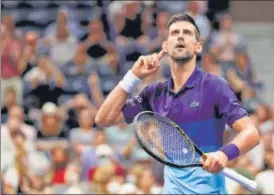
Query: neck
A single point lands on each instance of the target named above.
(181, 71)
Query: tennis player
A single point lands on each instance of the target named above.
(200, 103)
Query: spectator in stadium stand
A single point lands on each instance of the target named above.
(106, 157)
(10, 100)
(18, 112)
(146, 181)
(60, 42)
(70, 110)
(116, 19)
(158, 34)
(146, 26)
(132, 27)
(246, 70)
(226, 40)
(193, 9)
(72, 178)
(95, 89)
(50, 143)
(8, 134)
(172, 7)
(77, 72)
(209, 64)
(59, 157)
(52, 131)
(96, 42)
(73, 26)
(100, 49)
(89, 159)
(44, 82)
(83, 135)
(80, 64)
(11, 48)
(29, 58)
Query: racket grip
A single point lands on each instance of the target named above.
(249, 184)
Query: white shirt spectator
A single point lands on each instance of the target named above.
(76, 135)
(264, 181)
(11, 177)
(74, 27)
(62, 52)
(35, 72)
(74, 190)
(7, 145)
(8, 154)
(28, 130)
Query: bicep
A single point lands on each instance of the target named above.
(243, 124)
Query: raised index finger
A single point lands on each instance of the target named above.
(160, 55)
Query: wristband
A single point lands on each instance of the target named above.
(231, 150)
(129, 82)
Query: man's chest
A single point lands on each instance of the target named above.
(187, 107)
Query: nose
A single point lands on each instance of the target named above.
(180, 37)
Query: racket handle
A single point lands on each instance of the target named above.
(249, 184)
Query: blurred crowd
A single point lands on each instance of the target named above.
(60, 59)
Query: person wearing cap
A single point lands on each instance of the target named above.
(52, 131)
(106, 156)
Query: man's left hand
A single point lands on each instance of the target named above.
(214, 162)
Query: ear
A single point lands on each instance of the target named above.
(164, 46)
(199, 47)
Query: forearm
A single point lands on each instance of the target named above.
(236, 83)
(246, 139)
(22, 63)
(49, 145)
(97, 95)
(60, 79)
(110, 110)
(127, 151)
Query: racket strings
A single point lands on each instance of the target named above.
(164, 140)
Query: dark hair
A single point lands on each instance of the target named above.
(184, 17)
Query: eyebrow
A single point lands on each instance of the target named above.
(184, 30)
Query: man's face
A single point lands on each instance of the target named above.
(17, 112)
(96, 26)
(181, 43)
(162, 19)
(31, 38)
(226, 23)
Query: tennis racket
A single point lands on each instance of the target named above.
(167, 142)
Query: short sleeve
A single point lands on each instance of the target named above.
(229, 106)
(136, 104)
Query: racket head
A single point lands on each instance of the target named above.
(164, 140)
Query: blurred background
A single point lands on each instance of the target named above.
(60, 59)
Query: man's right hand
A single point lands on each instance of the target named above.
(147, 65)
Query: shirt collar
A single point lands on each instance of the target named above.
(191, 82)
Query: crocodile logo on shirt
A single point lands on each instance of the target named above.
(194, 104)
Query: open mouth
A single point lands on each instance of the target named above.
(180, 46)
